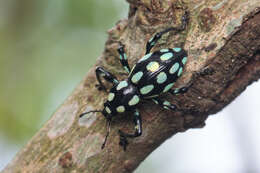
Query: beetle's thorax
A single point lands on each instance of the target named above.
(122, 97)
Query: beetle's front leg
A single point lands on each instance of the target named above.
(123, 58)
(101, 72)
(138, 130)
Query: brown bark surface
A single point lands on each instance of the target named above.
(222, 35)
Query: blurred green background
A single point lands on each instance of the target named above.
(46, 48)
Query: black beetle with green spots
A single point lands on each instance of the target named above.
(153, 75)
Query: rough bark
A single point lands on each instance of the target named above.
(222, 36)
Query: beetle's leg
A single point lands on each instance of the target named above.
(181, 90)
(123, 58)
(165, 104)
(150, 44)
(138, 130)
(101, 72)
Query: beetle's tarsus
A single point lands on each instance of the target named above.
(123, 140)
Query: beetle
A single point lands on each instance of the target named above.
(153, 75)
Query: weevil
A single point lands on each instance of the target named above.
(152, 76)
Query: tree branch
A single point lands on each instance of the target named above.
(222, 36)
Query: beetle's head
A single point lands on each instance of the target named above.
(122, 98)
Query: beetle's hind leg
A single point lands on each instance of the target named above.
(184, 21)
(165, 104)
(138, 130)
(168, 106)
(123, 58)
(101, 72)
(181, 90)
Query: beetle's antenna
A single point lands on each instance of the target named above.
(81, 115)
(108, 131)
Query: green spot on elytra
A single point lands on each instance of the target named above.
(146, 89)
(174, 68)
(166, 56)
(184, 60)
(134, 100)
(121, 85)
(137, 76)
(180, 71)
(161, 77)
(168, 87)
(153, 66)
(145, 57)
(164, 50)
